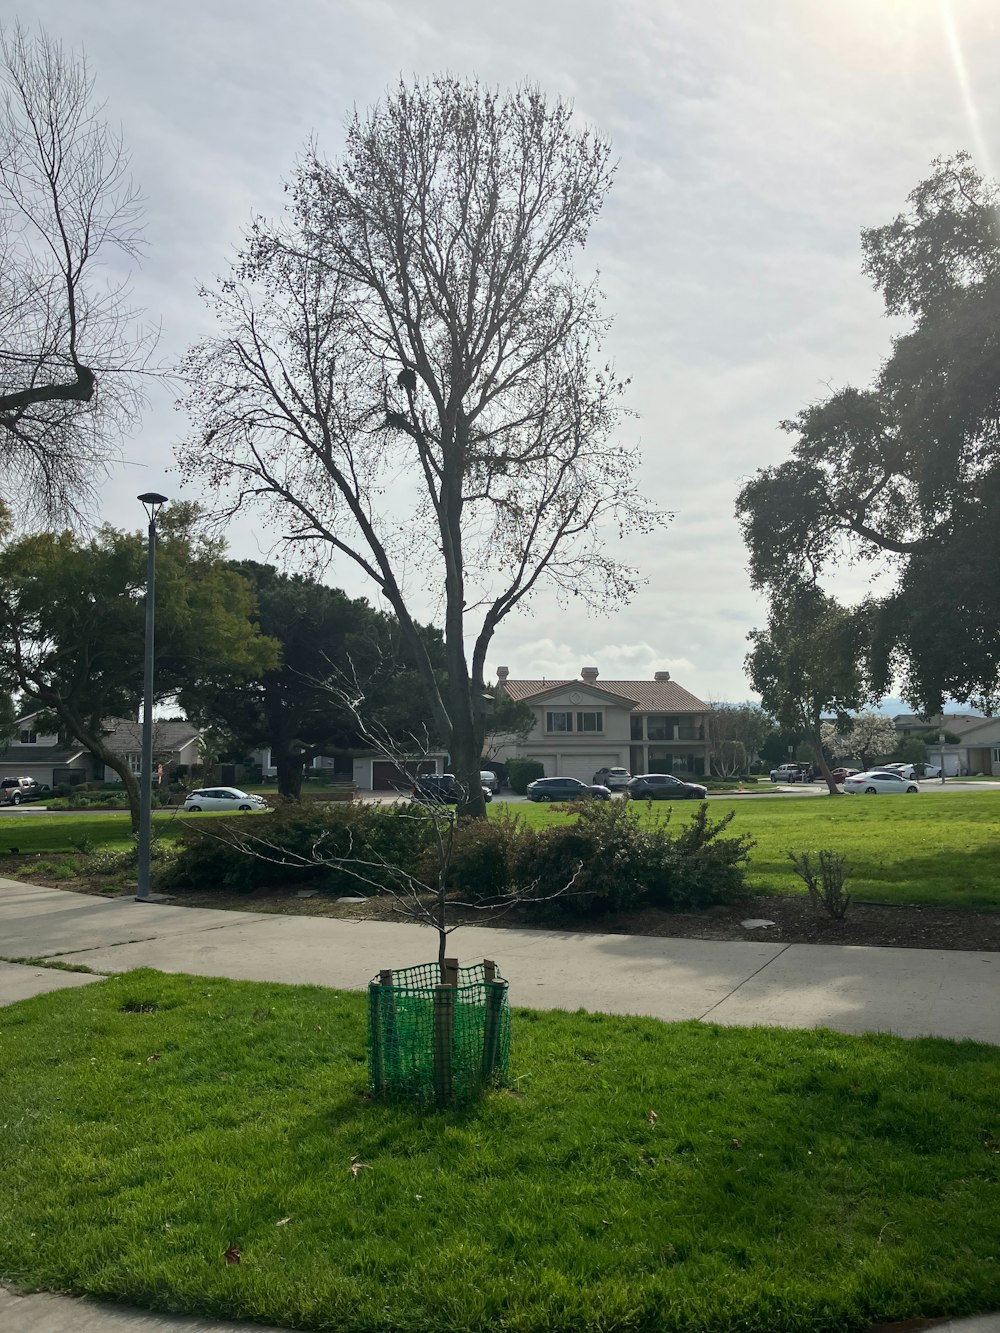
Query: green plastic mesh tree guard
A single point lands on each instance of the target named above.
(435, 1044)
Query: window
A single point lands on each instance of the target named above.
(135, 763)
(29, 737)
(590, 721)
(558, 721)
(660, 728)
(636, 732)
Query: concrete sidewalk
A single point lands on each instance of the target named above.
(911, 992)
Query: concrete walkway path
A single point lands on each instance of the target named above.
(911, 992)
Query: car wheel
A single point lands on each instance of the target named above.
(16, 798)
(911, 789)
(194, 809)
(246, 807)
(871, 791)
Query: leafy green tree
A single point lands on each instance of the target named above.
(905, 474)
(804, 664)
(339, 660)
(408, 373)
(912, 750)
(72, 626)
(8, 719)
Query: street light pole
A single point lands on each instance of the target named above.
(153, 503)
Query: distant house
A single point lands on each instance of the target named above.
(54, 760)
(646, 726)
(977, 750)
(365, 770)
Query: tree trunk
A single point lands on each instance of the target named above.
(289, 765)
(817, 749)
(90, 737)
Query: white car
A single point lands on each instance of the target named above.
(880, 781)
(223, 798)
(915, 771)
(489, 780)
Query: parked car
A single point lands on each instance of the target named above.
(615, 779)
(879, 781)
(663, 787)
(222, 798)
(442, 789)
(915, 771)
(839, 774)
(490, 781)
(13, 791)
(566, 789)
(791, 773)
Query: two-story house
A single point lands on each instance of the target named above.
(646, 726)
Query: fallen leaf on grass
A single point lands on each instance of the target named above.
(151, 1058)
(736, 1143)
(357, 1167)
(232, 1255)
(283, 1222)
(652, 1117)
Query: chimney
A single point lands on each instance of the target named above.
(502, 674)
(589, 674)
(662, 675)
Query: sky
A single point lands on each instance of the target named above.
(754, 141)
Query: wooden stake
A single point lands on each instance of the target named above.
(450, 977)
(489, 970)
(444, 1031)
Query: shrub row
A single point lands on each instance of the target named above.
(606, 859)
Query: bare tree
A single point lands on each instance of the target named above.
(71, 347)
(408, 375)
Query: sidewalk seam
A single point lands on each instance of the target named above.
(702, 1017)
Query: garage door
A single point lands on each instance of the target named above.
(549, 763)
(583, 766)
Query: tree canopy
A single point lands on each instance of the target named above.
(408, 374)
(805, 664)
(331, 646)
(71, 346)
(72, 625)
(906, 472)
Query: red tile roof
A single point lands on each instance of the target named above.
(646, 696)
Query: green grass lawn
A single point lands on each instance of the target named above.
(791, 1181)
(105, 832)
(935, 850)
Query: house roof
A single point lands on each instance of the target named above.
(642, 696)
(123, 735)
(28, 755)
(957, 723)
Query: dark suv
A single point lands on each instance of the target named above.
(565, 789)
(664, 787)
(442, 789)
(15, 790)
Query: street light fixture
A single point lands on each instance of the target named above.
(152, 503)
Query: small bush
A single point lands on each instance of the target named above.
(295, 844)
(522, 771)
(482, 859)
(824, 882)
(592, 864)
